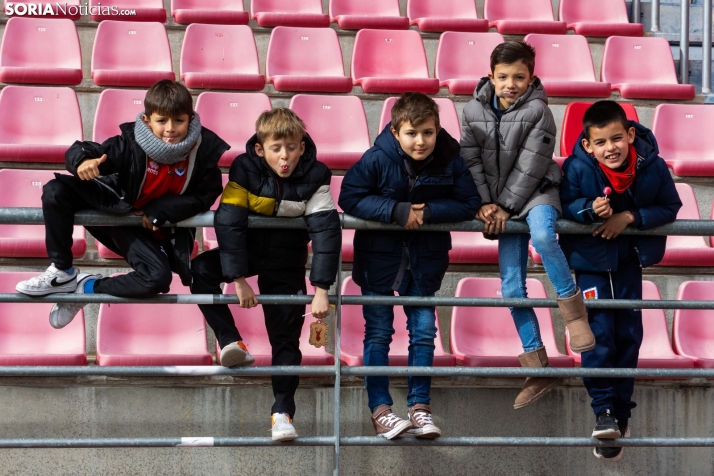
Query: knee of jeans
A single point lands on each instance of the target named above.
(543, 239)
(378, 336)
(515, 290)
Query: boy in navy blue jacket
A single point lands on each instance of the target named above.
(413, 175)
(615, 174)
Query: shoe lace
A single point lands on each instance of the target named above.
(423, 418)
(44, 277)
(389, 419)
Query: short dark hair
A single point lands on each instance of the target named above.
(279, 123)
(168, 98)
(602, 114)
(415, 108)
(510, 52)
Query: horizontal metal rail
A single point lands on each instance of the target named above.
(158, 371)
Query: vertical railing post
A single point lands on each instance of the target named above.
(636, 11)
(707, 48)
(684, 44)
(338, 325)
(655, 16)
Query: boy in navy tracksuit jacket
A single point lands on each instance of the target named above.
(615, 174)
(414, 174)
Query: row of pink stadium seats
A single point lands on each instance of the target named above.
(588, 17)
(310, 59)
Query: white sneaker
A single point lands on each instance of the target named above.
(51, 281)
(63, 313)
(283, 429)
(236, 354)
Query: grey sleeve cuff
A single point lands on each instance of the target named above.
(427, 214)
(400, 213)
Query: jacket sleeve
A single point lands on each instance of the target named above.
(571, 196)
(358, 193)
(471, 153)
(231, 223)
(115, 147)
(534, 160)
(667, 202)
(323, 226)
(464, 201)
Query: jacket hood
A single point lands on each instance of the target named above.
(307, 160)
(485, 89)
(445, 149)
(645, 145)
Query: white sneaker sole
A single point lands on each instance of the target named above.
(429, 431)
(69, 287)
(606, 434)
(284, 436)
(232, 357)
(397, 431)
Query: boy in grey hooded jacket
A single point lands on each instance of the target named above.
(507, 141)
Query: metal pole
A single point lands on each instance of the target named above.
(636, 11)
(575, 372)
(338, 368)
(684, 44)
(655, 16)
(707, 48)
(178, 371)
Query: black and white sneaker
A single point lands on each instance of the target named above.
(613, 454)
(62, 313)
(606, 426)
(52, 281)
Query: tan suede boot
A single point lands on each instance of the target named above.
(535, 387)
(576, 319)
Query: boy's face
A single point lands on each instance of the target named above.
(511, 82)
(282, 155)
(417, 142)
(610, 144)
(171, 130)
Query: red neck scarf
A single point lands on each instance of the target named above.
(621, 181)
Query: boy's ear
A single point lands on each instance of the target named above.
(490, 76)
(395, 133)
(259, 150)
(630, 135)
(302, 148)
(586, 145)
(145, 118)
(533, 78)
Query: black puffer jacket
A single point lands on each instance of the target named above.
(253, 188)
(122, 177)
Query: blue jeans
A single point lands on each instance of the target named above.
(513, 262)
(378, 331)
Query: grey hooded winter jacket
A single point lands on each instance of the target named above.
(511, 160)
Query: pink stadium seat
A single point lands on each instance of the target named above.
(23, 189)
(359, 14)
(687, 250)
(222, 12)
(304, 13)
(682, 132)
(251, 324)
(106, 253)
(692, 329)
(462, 59)
(598, 18)
(209, 233)
(65, 9)
(26, 337)
(391, 61)
(38, 124)
(38, 50)
(472, 247)
(574, 77)
(338, 126)
(306, 59)
(656, 350)
(448, 117)
(120, 56)
(642, 68)
(220, 56)
(352, 335)
(348, 236)
(445, 15)
(232, 116)
(115, 107)
(487, 337)
(145, 10)
(152, 334)
(520, 17)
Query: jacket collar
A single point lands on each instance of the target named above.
(305, 164)
(645, 145)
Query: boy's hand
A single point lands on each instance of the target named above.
(145, 221)
(498, 223)
(601, 207)
(485, 213)
(614, 225)
(320, 307)
(416, 217)
(89, 168)
(245, 294)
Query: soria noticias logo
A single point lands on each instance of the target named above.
(58, 8)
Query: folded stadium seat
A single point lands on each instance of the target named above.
(391, 61)
(144, 10)
(682, 135)
(304, 13)
(26, 336)
(209, 233)
(306, 59)
(656, 350)
(65, 9)
(642, 68)
(575, 77)
(38, 50)
(359, 14)
(152, 334)
(462, 59)
(221, 12)
(338, 126)
(487, 337)
(687, 250)
(23, 189)
(106, 253)
(519, 17)
(448, 117)
(232, 116)
(445, 15)
(348, 236)
(472, 247)
(693, 329)
(220, 56)
(251, 324)
(598, 18)
(115, 107)
(352, 335)
(120, 56)
(38, 124)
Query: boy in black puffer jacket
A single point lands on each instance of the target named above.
(278, 175)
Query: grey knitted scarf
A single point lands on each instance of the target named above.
(159, 150)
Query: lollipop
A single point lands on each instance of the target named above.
(607, 191)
